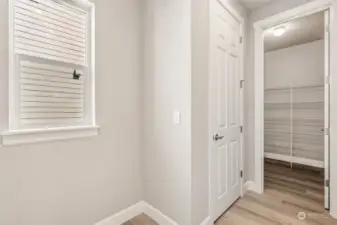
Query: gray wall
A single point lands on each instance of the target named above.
(167, 87)
(296, 66)
(79, 182)
(200, 134)
(176, 78)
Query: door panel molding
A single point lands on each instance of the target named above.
(225, 45)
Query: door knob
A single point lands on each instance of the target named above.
(216, 137)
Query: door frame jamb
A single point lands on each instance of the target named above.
(259, 27)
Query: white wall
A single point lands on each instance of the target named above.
(200, 135)
(237, 6)
(176, 174)
(176, 78)
(167, 87)
(79, 182)
(296, 66)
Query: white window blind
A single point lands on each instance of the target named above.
(50, 94)
(50, 30)
(51, 35)
(51, 75)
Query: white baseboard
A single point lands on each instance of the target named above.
(333, 214)
(248, 186)
(135, 210)
(207, 221)
(157, 216)
(302, 161)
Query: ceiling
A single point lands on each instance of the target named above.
(298, 31)
(254, 4)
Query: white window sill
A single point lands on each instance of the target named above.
(19, 137)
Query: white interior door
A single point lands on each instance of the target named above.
(225, 104)
(327, 113)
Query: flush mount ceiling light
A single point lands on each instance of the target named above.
(279, 31)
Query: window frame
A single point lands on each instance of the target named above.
(19, 135)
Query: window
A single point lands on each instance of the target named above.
(51, 70)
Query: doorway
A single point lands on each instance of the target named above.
(294, 108)
(293, 113)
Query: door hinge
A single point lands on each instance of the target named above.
(241, 129)
(241, 40)
(327, 183)
(242, 83)
(241, 173)
(327, 79)
(327, 28)
(327, 131)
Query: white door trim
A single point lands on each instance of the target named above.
(327, 107)
(259, 27)
(241, 20)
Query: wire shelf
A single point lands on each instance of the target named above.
(294, 121)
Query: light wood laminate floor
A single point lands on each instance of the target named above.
(141, 220)
(287, 193)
